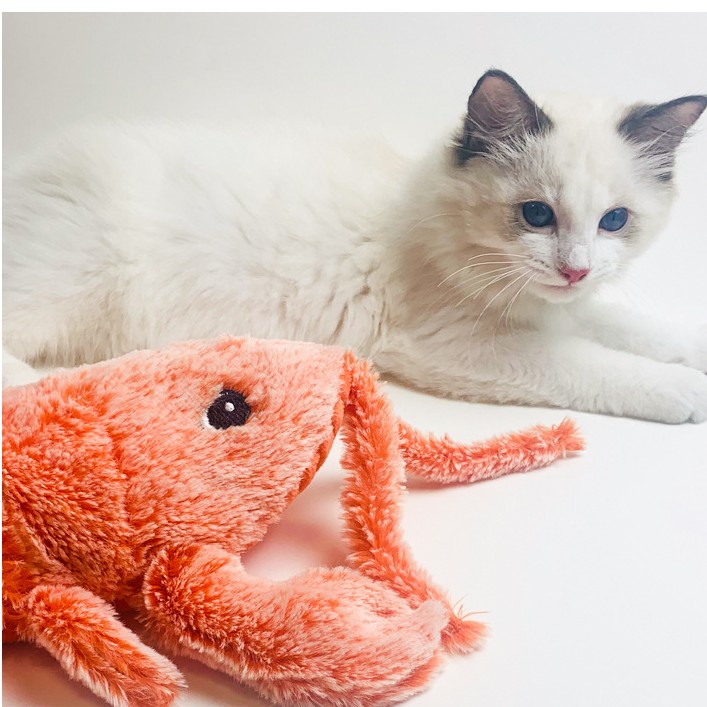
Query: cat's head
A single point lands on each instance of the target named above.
(571, 190)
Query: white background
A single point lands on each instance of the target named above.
(593, 572)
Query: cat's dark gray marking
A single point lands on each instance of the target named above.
(498, 110)
(659, 129)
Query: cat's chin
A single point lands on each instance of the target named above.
(559, 294)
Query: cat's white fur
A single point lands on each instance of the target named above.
(128, 236)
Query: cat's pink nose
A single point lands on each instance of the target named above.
(573, 276)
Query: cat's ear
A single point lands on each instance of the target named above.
(659, 129)
(499, 112)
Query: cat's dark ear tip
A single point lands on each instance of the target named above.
(496, 72)
(493, 73)
(702, 100)
(699, 99)
(659, 129)
(495, 82)
(688, 109)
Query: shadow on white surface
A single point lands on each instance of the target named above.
(36, 680)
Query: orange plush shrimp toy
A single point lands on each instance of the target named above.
(142, 480)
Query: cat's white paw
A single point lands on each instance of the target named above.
(16, 372)
(680, 396)
(697, 357)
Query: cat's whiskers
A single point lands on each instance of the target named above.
(495, 297)
(494, 280)
(477, 265)
(491, 280)
(448, 292)
(507, 311)
(512, 301)
(445, 296)
(499, 252)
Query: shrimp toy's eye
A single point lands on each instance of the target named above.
(230, 409)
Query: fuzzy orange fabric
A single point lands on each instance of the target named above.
(143, 479)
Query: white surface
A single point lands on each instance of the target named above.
(593, 571)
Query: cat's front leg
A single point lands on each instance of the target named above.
(535, 368)
(698, 356)
(17, 372)
(618, 327)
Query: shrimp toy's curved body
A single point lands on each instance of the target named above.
(143, 479)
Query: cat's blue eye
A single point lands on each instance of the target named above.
(614, 220)
(538, 214)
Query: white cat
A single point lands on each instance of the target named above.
(466, 275)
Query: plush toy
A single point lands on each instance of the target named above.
(141, 481)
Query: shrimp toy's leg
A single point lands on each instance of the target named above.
(378, 447)
(81, 631)
(325, 637)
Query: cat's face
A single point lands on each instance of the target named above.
(568, 193)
